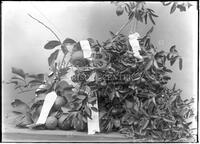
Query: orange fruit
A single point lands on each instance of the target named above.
(64, 123)
(59, 102)
(80, 125)
(51, 122)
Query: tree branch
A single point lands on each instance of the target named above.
(46, 27)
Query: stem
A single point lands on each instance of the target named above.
(122, 29)
(63, 59)
(46, 27)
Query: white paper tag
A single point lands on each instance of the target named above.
(93, 124)
(47, 105)
(85, 45)
(133, 40)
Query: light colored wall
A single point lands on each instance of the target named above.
(23, 38)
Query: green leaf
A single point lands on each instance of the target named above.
(63, 71)
(148, 65)
(173, 49)
(173, 59)
(82, 97)
(119, 10)
(180, 63)
(150, 10)
(64, 49)
(40, 97)
(150, 31)
(35, 83)
(145, 124)
(94, 109)
(65, 110)
(24, 120)
(127, 8)
(52, 44)
(189, 5)
(181, 7)
(92, 99)
(166, 77)
(154, 15)
(14, 82)
(112, 95)
(145, 18)
(174, 87)
(69, 41)
(37, 104)
(173, 8)
(53, 57)
(168, 120)
(131, 15)
(20, 106)
(155, 64)
(129, 104)
(17, 78)
(151, 18)
(88, 112)
(112, 34)
(19, 72)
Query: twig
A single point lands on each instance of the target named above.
(46, 27)
(122, 29)
(135, 26)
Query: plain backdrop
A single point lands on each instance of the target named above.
(23, 38)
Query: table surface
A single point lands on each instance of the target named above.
(10, 133)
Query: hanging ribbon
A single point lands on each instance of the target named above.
(47, 105)
(93, 124)
(85, 45)
(133, 40)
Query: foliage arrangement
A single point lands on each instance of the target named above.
(131, 93)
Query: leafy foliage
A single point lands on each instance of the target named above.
(132, 95)
(182, 6)
(135, 10)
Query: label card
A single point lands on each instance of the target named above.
(133, 40)
(85, 45)
(47, 105)
(93, 124)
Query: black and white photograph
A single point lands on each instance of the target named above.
(100, 72)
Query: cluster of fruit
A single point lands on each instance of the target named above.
(61, 115)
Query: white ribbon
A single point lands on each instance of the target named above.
(133, 40)
(85, 45)
(47, 105)
(93, 124)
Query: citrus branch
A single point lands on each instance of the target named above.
(46, 27)
(122, 29)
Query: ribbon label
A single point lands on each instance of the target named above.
(85, 45)
(47, 105)
(133, 40)
(93, 124)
